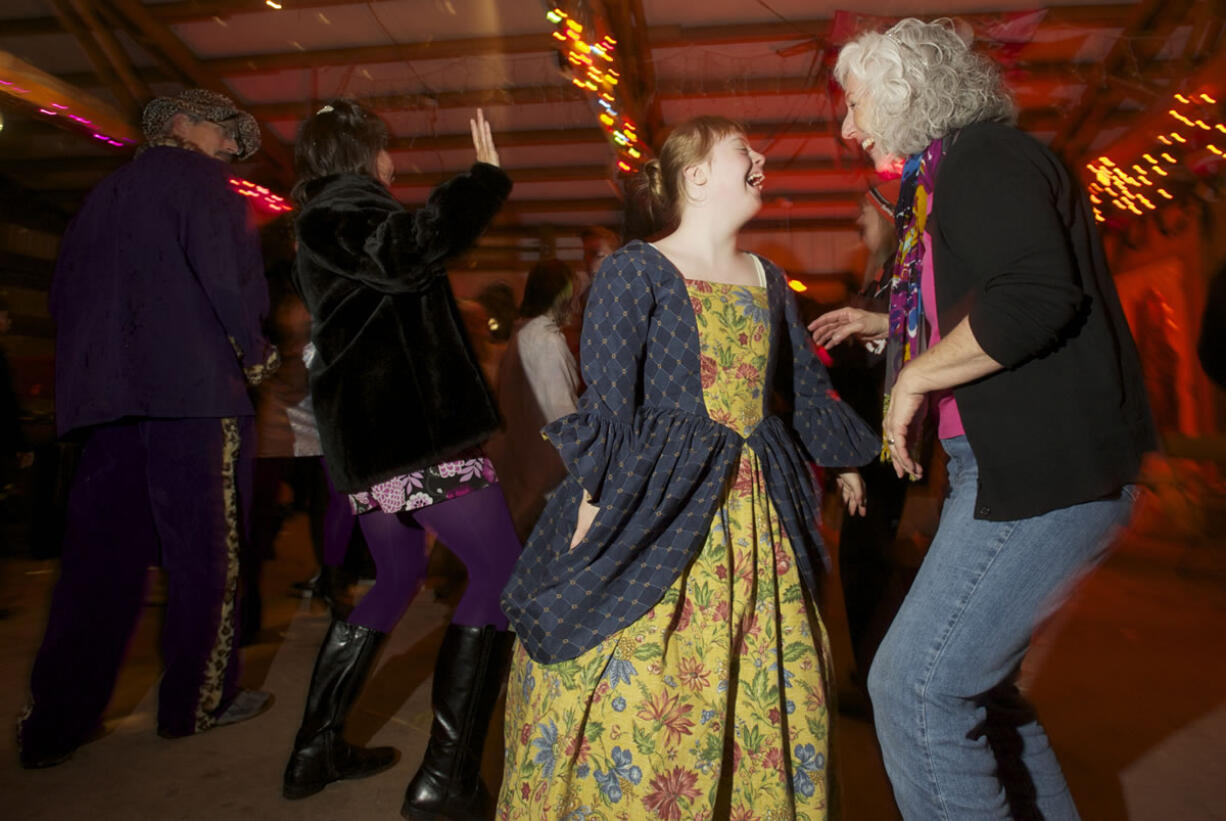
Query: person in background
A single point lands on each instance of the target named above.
(671, 662)
(501, 307)
(538, 382)
(158, 298)
(401, 404)
(866, 564)
(15, 450)
(1005, 325)
(1211, 347)
(598, 243)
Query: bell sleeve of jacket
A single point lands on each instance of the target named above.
(830, 432)
(600, 434)
(1012, 234)
(223, 250)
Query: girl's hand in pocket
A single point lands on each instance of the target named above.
(587, 515)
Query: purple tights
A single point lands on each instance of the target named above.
(476, 527)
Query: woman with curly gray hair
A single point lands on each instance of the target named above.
(1005, 329)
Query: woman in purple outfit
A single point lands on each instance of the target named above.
(401, 406)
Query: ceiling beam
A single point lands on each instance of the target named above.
(519, 95)
(47, 91)
(148, 74)
(1098, 98)
(193, 11)
(504, 139)
(391, 53)
(627, 23)
(104, 71)
(658, 37)
(138, 92)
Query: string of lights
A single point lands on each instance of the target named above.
(1134, 189)
(261, 197)
(593, 67)
(65, 114)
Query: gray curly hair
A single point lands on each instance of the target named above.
(922, 81)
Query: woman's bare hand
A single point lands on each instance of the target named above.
(851, 487)
(483, 141)
(833, 327)
(905, 403)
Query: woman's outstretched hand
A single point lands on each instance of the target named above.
(483, 141)
(833, 327)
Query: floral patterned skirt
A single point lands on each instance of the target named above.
(470, 470)
(711, 706)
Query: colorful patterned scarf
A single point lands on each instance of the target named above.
(909, 330)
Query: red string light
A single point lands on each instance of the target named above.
(260, 196)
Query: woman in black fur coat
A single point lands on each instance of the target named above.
(402, 407)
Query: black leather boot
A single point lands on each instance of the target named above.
(321, 755)
(467, 679)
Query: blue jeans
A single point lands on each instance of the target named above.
(958, 739)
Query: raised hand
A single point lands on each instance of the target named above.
(833, 327)
(483, 141)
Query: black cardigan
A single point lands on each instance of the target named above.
(394, 384)
(1015, 248)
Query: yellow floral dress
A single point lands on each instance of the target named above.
(714, 704)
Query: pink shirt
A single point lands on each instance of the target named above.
(949, 421)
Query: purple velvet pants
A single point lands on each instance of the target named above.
(145, 491)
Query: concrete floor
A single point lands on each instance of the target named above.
(1128, 679)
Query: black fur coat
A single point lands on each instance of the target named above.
(395, 384)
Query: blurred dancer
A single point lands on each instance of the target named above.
(1211, 346)
(538, 383)
(158, 299)
(400, 403)
(858, 373)
(1005, 326)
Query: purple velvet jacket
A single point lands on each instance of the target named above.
(158, 296)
